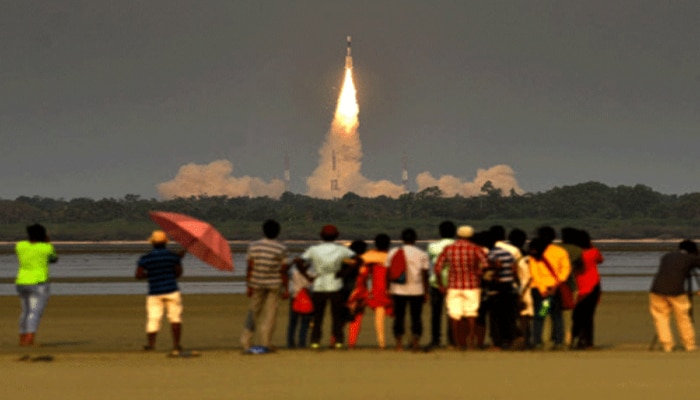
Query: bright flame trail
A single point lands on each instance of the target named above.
(340, 162)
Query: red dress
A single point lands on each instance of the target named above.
(371, 287)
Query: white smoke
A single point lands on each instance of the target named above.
(501, 177)
(345, 170)
(216, 179)
(338, 172)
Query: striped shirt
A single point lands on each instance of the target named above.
(504, 259)
(160, 265)
(466, 261)
(267, 257)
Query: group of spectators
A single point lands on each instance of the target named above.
(489, 285)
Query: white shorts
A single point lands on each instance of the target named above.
(462, 302)
(157, 304)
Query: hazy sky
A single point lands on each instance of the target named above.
(106, 98)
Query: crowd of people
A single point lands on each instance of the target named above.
(494, 289)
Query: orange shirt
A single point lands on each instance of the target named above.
(542, 279)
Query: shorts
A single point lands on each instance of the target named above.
(156, 306)
(462, 302)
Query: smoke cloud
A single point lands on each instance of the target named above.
(216, 179)
(340, 157)
(501, 177)
(338, 172)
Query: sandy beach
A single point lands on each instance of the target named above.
(95, 344)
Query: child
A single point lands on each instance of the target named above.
(297, 281)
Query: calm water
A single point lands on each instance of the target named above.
(623, 270)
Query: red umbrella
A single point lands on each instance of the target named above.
(197, 237)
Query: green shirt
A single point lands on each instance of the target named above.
(434, 251)
(34, 261)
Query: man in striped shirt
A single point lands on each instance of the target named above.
(161, 267)
(466, 261)
(503, 294)
(267, 279)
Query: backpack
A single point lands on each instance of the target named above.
(397, 267)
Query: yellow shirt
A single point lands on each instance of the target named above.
(542, 279)
(34, 259)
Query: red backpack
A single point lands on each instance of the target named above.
(397, 267)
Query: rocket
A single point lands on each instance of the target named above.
(348, 54)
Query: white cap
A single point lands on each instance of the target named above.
(465, 232)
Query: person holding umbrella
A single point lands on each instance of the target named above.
(162, 267)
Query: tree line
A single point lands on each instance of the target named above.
(621, 211)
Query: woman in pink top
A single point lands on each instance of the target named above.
(588, 281)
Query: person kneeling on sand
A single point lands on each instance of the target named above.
(161, 267)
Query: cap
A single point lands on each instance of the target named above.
(329, 230)
(465, 231)
(158, 237)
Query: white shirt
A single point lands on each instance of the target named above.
(416, 262)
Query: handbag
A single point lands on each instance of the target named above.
(397, 267)
(567, 296)
(302, 303)
(564, 291)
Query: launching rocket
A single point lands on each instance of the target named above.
(348, 55)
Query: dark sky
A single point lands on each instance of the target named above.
(105, 98)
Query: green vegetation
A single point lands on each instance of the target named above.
(624, 212)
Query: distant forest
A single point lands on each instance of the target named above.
(625, 212)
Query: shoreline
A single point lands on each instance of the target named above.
(98, 323)
(92, 347)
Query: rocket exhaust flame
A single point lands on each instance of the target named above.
(340, 161)
(346, 114)
(339, 167)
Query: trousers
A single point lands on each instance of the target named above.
(33, 299)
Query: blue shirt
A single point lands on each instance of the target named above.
(161, 268)
(505, 260)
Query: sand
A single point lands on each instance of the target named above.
(95, 344)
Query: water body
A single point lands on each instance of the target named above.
(93, 269)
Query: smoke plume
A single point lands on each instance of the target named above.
(338, 172)
(216, 179)
(340, 156)
(501, 177)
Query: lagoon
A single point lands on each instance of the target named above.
(108, 268)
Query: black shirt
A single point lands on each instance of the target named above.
(674, 269)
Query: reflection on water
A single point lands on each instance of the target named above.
(74, 265)
(132, 288)
(628, 269)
